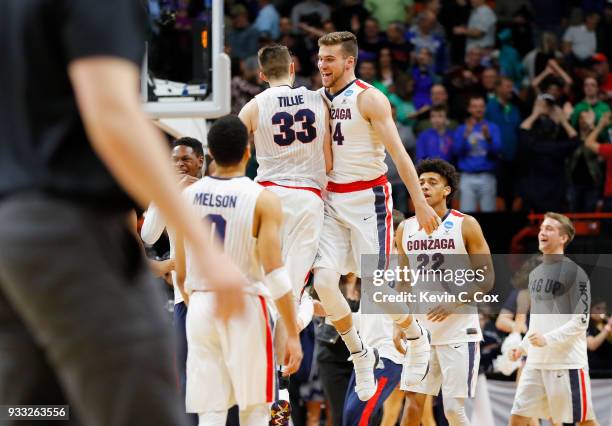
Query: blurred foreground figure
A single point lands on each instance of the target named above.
(80, 321)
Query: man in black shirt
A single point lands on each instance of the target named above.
(77, 307)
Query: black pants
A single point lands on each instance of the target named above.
(335, 378)
(81, 317)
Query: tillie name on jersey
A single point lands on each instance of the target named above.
(212, 200)
(287, 101)
(341, 114)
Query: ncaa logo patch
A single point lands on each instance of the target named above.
(348, 92)
(449, 225)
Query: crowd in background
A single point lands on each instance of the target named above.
(508, 91)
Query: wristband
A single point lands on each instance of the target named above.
(278, 282)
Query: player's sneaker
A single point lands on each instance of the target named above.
(365, 363)
(416, 360)
(280, 413)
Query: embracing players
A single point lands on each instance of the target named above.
(358, 202)
(455, 328)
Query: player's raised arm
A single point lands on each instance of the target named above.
(267, 224)
(120, 134)
(376, 108)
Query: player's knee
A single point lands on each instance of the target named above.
(454, 411)
(326, 284)
(413, 409)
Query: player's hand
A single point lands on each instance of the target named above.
(515, 354)
(440, 312)
(426, 217)
(293, 355)
(398, 339)
(536, 339)
(161, 267)
(186, 180)
(319, 310)
(519, 328)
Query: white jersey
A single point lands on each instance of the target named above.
(358, 153)
(229, 204)
(442, 249)
(559, 310)
(289, 137)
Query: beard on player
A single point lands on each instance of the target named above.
(334, 65)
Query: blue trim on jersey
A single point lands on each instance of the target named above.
(380, 207)
(354, 407)
(331, 97)
(575, 390)
(471, 355)
(446, 215)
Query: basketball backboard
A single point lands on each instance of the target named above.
(185, 72)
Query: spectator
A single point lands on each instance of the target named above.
(538, 59)
(350, 16)
(439, 97)
(580, 41)
(311, 12)
(604, 41)
(509, 60)
(246, 84)
(367, 72)
(604, 150)
(370, 40)
(387, 11)
(268, 20)
(583, 170)
(424, 78)
(489, 78)
(546, 139)
(599, 340)
(507, 10)
(243, 40)
(454, 15)
(421, 36)
(463, 82)
(437, 141)
(402, 100)
(480, 30)
(591, 102)
(398, 189)
(476, 146)
(601, 68)
(506, 116)
(386, 70)
(434, 7)
(398, 46)
(296, 45)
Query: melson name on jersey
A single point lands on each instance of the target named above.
(215, 200)
(287, 101)
(341, 114)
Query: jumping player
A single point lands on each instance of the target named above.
(555, 382)
(455, 330)
(233, 363)
(291, 130)
(358, 203)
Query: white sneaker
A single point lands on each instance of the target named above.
(416, 360)
(365, 363)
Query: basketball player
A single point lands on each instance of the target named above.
(358, 201)
(80, 317)
(233, 363)
(555, 382)
(455, 330)
(188, 158)
(291, 131)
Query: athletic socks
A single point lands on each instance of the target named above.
(352, 340)
(413, 331)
